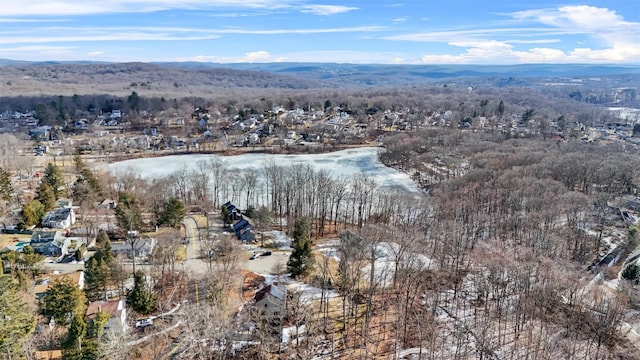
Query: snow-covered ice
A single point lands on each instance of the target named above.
(340, 163)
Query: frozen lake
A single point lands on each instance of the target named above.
(344, 162)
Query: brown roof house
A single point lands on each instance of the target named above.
(42, 285)
(115, 309)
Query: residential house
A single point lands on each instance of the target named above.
(139, 247)
(233, 211)
(50, 243)
(115, 309)
(61, 218)
(270, 302)
(242, 229)
(41, 132)
(42, 285)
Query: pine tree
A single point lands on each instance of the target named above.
(16, 322)
(173, 213)
(72, 346)
(32, 213)
(53, 176)
(140, 298)
(301, 261)
(632, 273)
(46, 196)
(97, 276)
(63, 301)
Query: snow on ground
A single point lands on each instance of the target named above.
(387, 253)
(340, 163)
(330, 249)
(308, 292)
(278, 239)
(291, 333)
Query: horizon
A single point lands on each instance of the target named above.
(306, 31)
(7, 61)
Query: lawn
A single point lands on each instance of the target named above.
(6, 239)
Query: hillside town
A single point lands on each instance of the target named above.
(461, 226)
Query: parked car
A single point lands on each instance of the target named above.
(266, 253)
(144, 323)
(254, 256)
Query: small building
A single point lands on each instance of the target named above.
(115, 309)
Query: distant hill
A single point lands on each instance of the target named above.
(202, 79)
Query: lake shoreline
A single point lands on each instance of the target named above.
(104, 159)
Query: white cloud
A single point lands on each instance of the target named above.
(613, 40)
(95, 53)
(75, 7)
(400, 19)
(326, 9)
(250, 57)
(36, 52)
(94, 34)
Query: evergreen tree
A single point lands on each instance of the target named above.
(53, 176)
(72, 346)
(32, 213)
(173, 213)
(226, 216)
(63, 301)
(46, 196)
(632, 273)
(97, 275)
(6, 189)
(501, 108)
(141, 298)
(301, 261)
(16, 322)
(102, 238)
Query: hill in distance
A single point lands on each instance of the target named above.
(201, 79)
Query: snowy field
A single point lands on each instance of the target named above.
(339, 163)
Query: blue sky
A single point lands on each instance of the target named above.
(374, 31)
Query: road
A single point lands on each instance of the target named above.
(192, 234)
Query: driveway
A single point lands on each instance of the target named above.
(274, 264)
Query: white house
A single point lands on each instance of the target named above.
(61, 218)
(115, 309)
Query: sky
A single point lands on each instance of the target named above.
(358, 31)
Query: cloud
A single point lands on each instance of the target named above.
(36, 52)
(400, 19)
(250, 57)
(613, 39)
(95, 53)
(73, 7)
(326, 9)
(94, 34)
